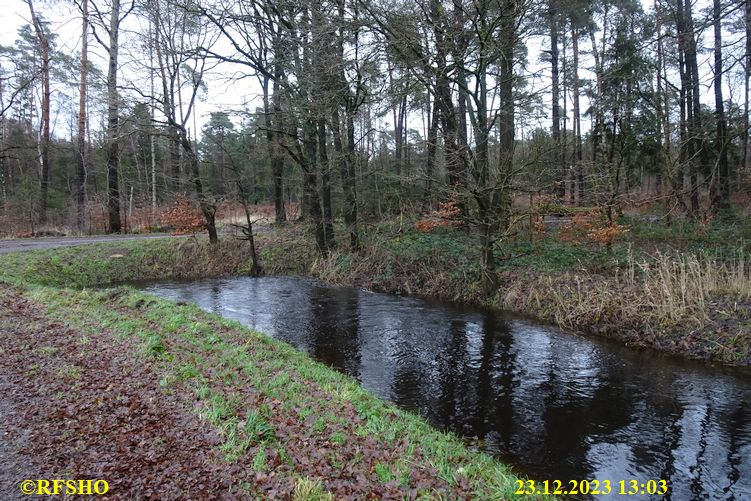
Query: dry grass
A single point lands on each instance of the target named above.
(666, 290)
(678, 287)
(694, 304)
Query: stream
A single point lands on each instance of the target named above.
(552, 404)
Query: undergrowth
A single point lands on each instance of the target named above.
(682, 288)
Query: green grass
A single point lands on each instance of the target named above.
(722, 238)
(108, 263)
(538, 272)
(210, 360)
(275, 369)
(383, 422)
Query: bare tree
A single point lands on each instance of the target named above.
(44, 143)
(182, 40)
(110, 22)
(82, 102)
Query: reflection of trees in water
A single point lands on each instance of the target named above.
(697, 482)
(713, 428)
(573, 422)
(475, 388)
(559, 406)
(740, 426)
(411, 354)
(215, 297)
(334, 328)
(453, 371)
(671, 440)
(499, 357)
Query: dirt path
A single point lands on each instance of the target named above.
(16, 464)
(30, 244)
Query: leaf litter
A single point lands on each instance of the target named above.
(88, 403)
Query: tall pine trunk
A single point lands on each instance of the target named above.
(310, 183)
(323, 159)
(113, 123)
(577, 125)
(721, 174)
(82, 88)
(274, 136)
(559, 188)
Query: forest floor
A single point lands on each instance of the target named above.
(166, 401)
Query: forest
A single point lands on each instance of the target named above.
(483, 112)
(375, 249)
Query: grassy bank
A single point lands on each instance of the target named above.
(675, 289)
(279, 424)
(94, 265)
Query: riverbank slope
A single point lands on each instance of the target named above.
(673, 289)
(165, 401)
(677, 289)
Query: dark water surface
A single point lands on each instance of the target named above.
(552, 404)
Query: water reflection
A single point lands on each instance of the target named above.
(555, 405)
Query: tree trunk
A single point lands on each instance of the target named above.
(559, 187)
(721, 175)
(169, 110)
(398, 114)
(458, 52)
(273, 138)
(82, 150)
(501, 198)
(219, 165)
(662, 109)
(696, 143)
(208, 207)
(599, 119)
(113, 124)
(577, 125)
(323, 158)
(152, 145)
(44, 147)
(431, 150)
(310, 183)
(746, 89)
(345, 160)
(454, 162)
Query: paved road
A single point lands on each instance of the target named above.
(26, 244)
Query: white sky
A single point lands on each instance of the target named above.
(65, 22)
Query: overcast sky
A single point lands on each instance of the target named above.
(65, 22)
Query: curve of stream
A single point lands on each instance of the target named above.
(552, 404)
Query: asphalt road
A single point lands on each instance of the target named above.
(27, 244)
